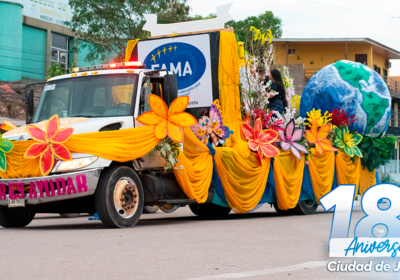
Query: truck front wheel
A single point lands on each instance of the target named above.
(119, 197)
(15, 217)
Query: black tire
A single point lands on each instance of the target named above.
(150, 209)
(209, 210)
(70, 215)
(305, 207)
(15, 217)
(111, 182)
(282, 212)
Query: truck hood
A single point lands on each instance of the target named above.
(81, 125)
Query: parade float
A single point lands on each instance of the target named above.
(177, 131)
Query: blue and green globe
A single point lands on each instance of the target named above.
(353, 87)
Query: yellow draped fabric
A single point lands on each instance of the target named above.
(242, 176)
(129, 48)
(347, 173)
(367, 180)
(17, 165)
(120, 145)
(288, 175)
(322, 171)
(243, 179)
(195, 177)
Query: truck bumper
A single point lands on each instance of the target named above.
(54, 187)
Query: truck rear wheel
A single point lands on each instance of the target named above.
(209, 210)
(282, 212)
(119, 197)
(15, 217)
(305, 207)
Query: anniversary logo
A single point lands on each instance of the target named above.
(377, 234)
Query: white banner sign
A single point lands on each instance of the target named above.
(55, 12)
(187, 57)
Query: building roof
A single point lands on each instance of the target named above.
(378, 47)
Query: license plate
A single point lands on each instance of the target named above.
(16, 203)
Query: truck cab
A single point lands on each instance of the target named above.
(96, 99)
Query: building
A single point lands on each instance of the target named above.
(305, 56)
(32, 36)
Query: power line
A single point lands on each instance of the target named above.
(351, 9)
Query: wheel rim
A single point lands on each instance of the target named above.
(126, 197)
(309, 202)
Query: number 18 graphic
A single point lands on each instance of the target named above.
(381, 206)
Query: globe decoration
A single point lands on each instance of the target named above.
(353, 87)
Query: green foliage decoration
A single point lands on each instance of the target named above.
(376, 151)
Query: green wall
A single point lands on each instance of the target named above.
(33, 49)
(82, 55)
(10, 41)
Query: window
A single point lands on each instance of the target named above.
(90, 96)
(144, 96)
(59, 49)
(377, 69)
(150, 86)
(292, 51)
(362, 58)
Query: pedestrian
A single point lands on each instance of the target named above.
(278, 101)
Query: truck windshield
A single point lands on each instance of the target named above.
(92, 96)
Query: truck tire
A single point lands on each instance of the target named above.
(15, 217)
(209, 210)
(282, 212)
(305, 207)
(150, 209)
(70, 215)
(119, 197)
(168, 208)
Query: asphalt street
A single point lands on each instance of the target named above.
(180, 245)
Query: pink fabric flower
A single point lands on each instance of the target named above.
(289, 137)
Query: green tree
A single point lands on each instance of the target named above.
(105, 26)
(262, 22)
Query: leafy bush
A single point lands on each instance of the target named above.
(376, 151)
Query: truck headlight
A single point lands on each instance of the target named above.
(75, 164)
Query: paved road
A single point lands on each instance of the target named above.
(258, 245)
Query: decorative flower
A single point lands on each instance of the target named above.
(296, 102)
(168, 121)
(50, 144)
(5, 147)
(289, 138)
(348, 141)
(341, 119)
(316, 116)
(319, 137)
(7, 126)
(260, 140)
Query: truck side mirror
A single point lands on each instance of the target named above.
(170, 88)
(29, 106)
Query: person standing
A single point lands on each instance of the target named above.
(276, 94)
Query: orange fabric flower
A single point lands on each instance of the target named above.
(260, 140)
(49, 144)
(167, 121)
(319, 137)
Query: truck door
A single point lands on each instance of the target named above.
(156, 161)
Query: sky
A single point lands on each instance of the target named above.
(375, 19)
